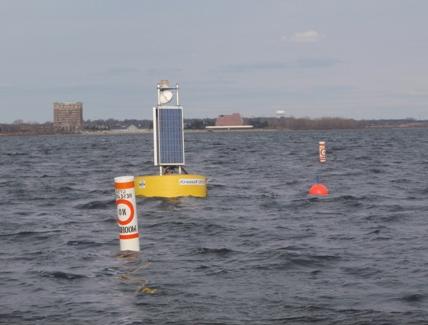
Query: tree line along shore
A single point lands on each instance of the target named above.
(273, 123)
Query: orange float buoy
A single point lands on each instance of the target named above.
(318, 189)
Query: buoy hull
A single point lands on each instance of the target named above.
(127, 218)
(318, 189)
(171, 186)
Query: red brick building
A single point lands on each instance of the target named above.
(68, 117)
(229, 120)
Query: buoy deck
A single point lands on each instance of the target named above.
(170, 186)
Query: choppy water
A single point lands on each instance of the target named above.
(258, 250)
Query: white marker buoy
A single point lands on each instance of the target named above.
(127, 213)
(323, 155)
(319, 189)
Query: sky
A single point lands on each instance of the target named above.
(361, 59)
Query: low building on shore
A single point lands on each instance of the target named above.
(130, 129)
(229, 122)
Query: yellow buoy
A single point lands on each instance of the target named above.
(170, 186)
(168, 152)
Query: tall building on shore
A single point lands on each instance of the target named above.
(68, 117)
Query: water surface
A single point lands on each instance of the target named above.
(258, 250)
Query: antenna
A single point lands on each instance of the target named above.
(165, 92)
(168, 134)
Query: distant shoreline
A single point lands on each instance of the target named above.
(149, 131)
(259, 124)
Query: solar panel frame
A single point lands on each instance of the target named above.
(168, 136)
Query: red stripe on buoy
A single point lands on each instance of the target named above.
(131, 209)
(124, 186)
(131, 236)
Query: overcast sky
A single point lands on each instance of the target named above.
(359, 59)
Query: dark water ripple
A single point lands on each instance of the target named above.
(258, 250)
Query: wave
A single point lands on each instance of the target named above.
(96, 204)
(219, 252)
(61, 275)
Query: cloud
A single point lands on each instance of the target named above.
(416, 93)
(302, 63)
(118, 71)
(309, 36)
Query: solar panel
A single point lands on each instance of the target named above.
(170, 140)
